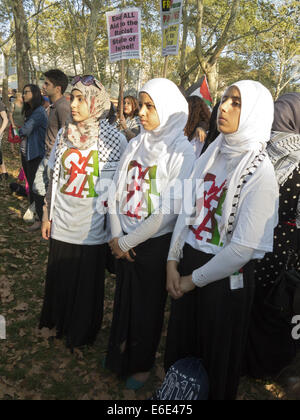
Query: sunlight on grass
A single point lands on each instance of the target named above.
(275, 390)
(15, 211)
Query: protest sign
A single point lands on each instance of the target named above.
(171, 13)
(124, 34)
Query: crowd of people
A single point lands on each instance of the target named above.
(172, 198)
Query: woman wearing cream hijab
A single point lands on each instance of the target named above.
(143, 215)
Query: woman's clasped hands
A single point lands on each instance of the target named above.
(177, 286)
(118, 253)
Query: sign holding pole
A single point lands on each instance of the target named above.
(121, 89)
(165, 71)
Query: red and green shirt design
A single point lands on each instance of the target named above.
(211, 206)
(142, 193)
(81, 173)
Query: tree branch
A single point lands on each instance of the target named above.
(28, 19)
(42, 10)
(223, 40)
(216, 26)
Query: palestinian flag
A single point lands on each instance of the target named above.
(203, 91)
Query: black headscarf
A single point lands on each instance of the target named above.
(213, 128)
(287, 113)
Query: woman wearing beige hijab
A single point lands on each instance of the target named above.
(83, 163)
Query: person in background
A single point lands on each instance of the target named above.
(270, 346)
(59, 111)
(129, 123)
(32, 134)
(112, 116)
(3, 125)
(198, 123)
(16, 118)
(229, 224)
(68, 96)
(83, 162)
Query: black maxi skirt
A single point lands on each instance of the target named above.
(74, 292)
(139, 306)
(211, 323)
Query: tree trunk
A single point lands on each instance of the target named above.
(22, 44)
(199, 20)
(34, 72)
(185, 21)
(80, 55)
(5, 79)
(94, 6)
(98, 68)
(73, 59)
(212, 80)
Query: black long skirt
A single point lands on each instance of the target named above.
(211, 323)
(139, 305)
(74, 293)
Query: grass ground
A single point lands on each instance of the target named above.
(34, 365)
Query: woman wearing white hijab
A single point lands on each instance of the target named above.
(147, 201)
(234, 212)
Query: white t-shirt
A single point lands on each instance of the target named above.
(80, 207)
(159, 185)
(256, 214)
(197, 146)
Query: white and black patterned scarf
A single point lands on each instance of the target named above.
(284, 152)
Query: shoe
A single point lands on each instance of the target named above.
(29, 216)
(35, 226)
(133, 384)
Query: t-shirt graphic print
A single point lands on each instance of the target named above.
(142, 196)
(204, 234)
(78, 217)
(81, 173)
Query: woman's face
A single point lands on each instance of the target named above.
(148, 114)
(79, 106)
(127, 107)
(27, 95)
(229, 112)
